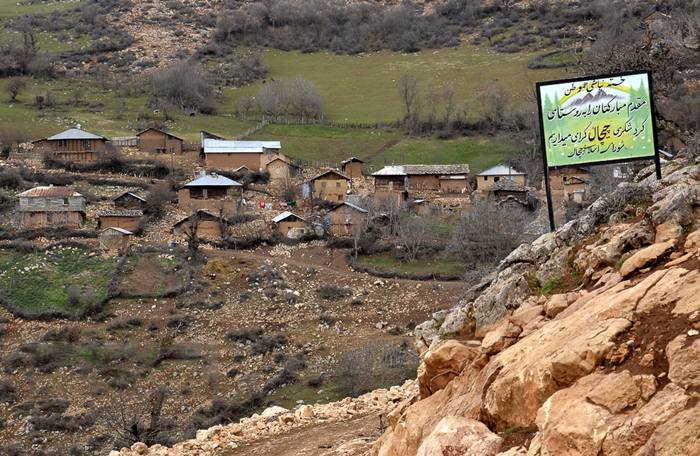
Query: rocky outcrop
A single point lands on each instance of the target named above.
(552, 361)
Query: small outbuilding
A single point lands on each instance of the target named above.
(127, 219)
(352, 167)
(114, 238)
(158, 141)
(129, 200)
(209, 224)
(287, 221)
(345, 218)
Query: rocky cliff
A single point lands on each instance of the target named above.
(609, 365)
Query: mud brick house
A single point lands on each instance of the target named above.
(558, 177)
(390, 185)
(508, 193)
(159, 142)
(489, 177)
(345, 219)
(330, 186)
(129, 200)
(212, 192)
(73, 145)
(127, 219)
(52, 206)
(443, 178)
(352, 167)
(230, 155)
(281, 169)
(209, 224)
(287, 221)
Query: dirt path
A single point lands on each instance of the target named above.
(348, 438)
(384, 148)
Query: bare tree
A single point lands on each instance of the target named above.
(493, 105)
(191, 230)
(449, 105)
(157, 197)
(296, 97)
(14, 87)
(411, 237)
(408, 93)
(138, 423)
(184, 85)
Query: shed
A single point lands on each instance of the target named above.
(159, 141)
(129, 200)
(127, 219)
(209, 224)
(114, 238)
(343, 217)
(352, 167)
(287, 221)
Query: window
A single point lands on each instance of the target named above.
(277, 170)
(86, 144)
(496, 179)
(323, 185)
(337, 185)
(65, 201)
(204, 192)
(486, 178)
(228, 192)
(40, 144)
(62, 143)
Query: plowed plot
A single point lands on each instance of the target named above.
(151, 273)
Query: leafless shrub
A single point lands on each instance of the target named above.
(8, 392)
(333, 292)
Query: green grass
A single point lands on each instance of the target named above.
(13, 8)
(385, 262)
(37, 282)
(552, 286)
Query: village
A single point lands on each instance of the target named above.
(336, 199)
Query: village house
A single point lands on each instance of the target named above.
(557, 177)
(395, 181)
(281, 169)
(153, 140)
(212, 192)
(73, 145)
(287, 221)
(508, 193)
(352, 167)
(209, 224)
(499, 172)
(129, 200)
(55, 206)
(346, 219)
(230, 155)
(330, 186)
(127, 219)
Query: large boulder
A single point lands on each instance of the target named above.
(555, 267)
(683, 365)
(646, 257)
(443, 362)
(457, 436)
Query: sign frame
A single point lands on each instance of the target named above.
(546, 166)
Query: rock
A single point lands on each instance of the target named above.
(556, 304)
(647, 360)
(273, 411)
(667, 231)
(287, 418)
(522, 316)
(139, 448)
(426, 332)
(645, 257)
(305, 411)
(616, 392)
(443, 362)
(395, 415)
(554, 268)
(693, 240)
(676, 436)
(501, 338)
(683, 367)
(455, 435)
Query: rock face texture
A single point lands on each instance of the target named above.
(611, 367)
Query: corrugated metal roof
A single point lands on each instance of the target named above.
(284, 215)
(75, 133)
(501, 170)
(393, 170)
(119, 230)
(49, 191)
(218, 146)
(357, 208)
(213, 181)
(129, 194)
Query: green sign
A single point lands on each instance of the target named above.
(596, 120)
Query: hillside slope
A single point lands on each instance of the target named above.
(606, 366)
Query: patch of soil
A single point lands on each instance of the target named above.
(149, 275)
(517, 437)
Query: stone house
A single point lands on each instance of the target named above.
(330, 186)
(53, 206)
(487, 178)
(129, 200)
(287, 221)
(209, 224)
(442, 178)
(346, 219)
(212, 192)
(157, 141)
(505, 189)
(230, 155)
(352, 167)
(73, 145)
(127, 219)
